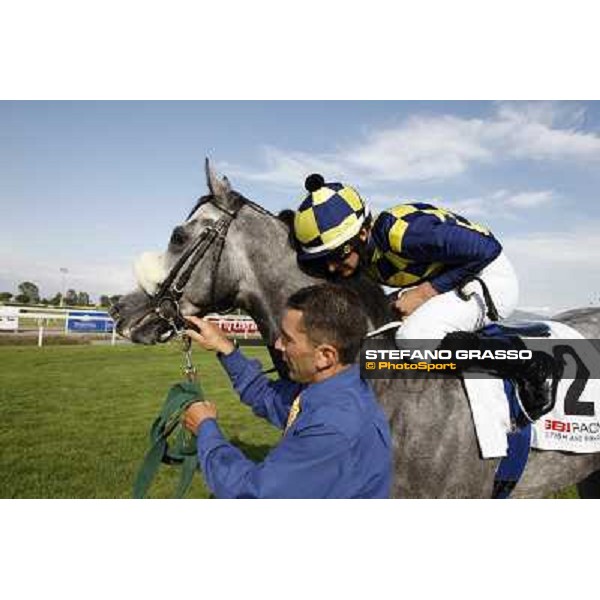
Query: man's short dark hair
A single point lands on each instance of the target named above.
(332, 314)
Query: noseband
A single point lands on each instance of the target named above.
(168, 296)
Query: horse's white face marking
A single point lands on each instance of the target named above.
(150, 271)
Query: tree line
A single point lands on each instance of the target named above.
(29, 293)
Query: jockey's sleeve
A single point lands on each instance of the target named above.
(463, 251)
(268, 399)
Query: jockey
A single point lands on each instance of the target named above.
(453, 275)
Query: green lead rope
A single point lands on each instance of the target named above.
(170, 442)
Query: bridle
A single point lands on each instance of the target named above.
(166, 300)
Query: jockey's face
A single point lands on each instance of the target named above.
(344, 267)
(346, 259)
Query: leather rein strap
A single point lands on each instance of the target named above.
(170, 442)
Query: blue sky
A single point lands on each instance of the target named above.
(89, 185)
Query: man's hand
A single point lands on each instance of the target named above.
(209, 336)
(410, 300)
(197, 413)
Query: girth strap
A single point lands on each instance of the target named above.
(511, 467)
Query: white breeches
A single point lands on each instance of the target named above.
(447, 312)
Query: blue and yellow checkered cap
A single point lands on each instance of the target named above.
(328, 216)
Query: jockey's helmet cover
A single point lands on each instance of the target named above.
(330, 215)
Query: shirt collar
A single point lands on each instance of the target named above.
(324, 391)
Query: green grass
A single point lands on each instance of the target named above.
(75, 419)
(18, 339)
(29, 323)
(569, 493)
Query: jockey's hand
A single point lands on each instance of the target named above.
(197, 413)
(410, 300)
(209, 336)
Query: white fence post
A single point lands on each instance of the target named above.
(40, 333)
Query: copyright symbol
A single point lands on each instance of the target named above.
(370, 365)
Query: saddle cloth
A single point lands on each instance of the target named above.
(554, 431)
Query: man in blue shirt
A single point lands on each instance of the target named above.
(336, 439)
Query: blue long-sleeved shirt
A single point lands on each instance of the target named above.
(339, 446)
(412, 243)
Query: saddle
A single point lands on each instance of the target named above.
(531, 329)
(536, 376)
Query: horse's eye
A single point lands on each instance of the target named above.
(179, 236)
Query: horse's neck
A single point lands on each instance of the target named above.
(269, 273)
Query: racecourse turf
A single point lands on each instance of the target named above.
(74, 420)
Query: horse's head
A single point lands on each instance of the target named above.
(229, 252)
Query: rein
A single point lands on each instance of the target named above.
(170, 443)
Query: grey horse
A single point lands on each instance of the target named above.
(254, 267)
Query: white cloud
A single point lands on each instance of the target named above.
(544, 131)
(501, 203)
(557, 269)
(553, 114)
(428, 147)
(529, 199)
(421, 148)
(468, 207)
(285, 168)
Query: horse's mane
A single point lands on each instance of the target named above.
(374, 299)
(233, 194)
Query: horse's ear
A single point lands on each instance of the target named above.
(218, 187)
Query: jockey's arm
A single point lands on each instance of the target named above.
(408, 300)
(463, 251)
